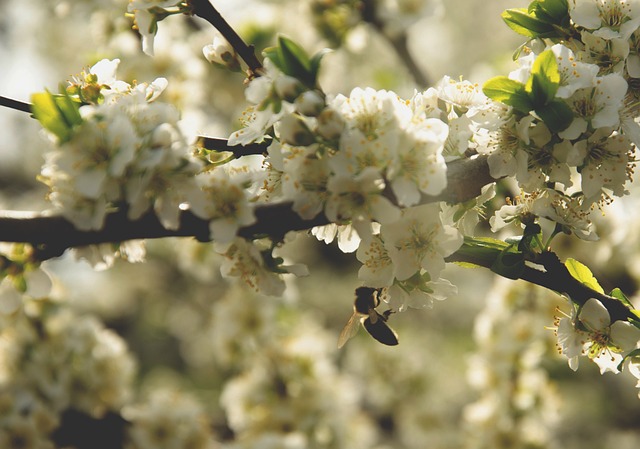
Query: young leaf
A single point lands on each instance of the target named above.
(558, 9)
(315, 64)
(520, 21)
(583, 274)
(46, 110)
(620, 296)
(508, 91)
(295, 61)
(545, 79)
(557, 115)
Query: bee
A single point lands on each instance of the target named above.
(364, 311)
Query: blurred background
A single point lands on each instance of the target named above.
(479, 370)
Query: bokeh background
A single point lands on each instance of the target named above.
(479, 370)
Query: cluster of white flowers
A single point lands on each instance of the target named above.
(168, 419)
(593, 158)
(517, 400)
(70, 361)
(128, 151)
(367, 161)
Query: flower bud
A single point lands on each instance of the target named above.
(309, 103)
(288, 88)
(294, 131)
(330, 124)
(222, 53)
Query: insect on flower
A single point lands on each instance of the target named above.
(364, 311)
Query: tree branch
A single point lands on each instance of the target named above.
(15, 104)
(51, 235)
(399, 43)
(555, 277)
(206, 11)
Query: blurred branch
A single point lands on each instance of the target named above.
(51, 235)
(15, 104)
(399, 43)
(205, 10)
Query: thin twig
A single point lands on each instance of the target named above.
(220, 144)
(398, 42)
(15, 104)
(206, 11)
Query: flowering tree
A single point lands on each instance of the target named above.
(500, 175)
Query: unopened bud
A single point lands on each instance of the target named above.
(288, 88)
(330, 124)
(294, 131)
(309, 103)
(222, 53)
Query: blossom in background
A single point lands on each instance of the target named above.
(169, 419)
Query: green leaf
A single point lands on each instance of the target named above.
(580, 272)
(620, 296)
(544, 80)
(557, 115)
(273, 53)
(508, 91)
(296, 62)
(558, 9)
(315, 64)
(520, 21)
(57, 114)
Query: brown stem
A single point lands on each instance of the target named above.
(51, 235)
(206, 11)
(15, 104)
(556, 277)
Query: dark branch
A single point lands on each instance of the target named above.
(51, 235)
(220, 144)
(556, 277)
(15, 104)
(206, 11)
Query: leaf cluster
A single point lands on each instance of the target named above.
(537, 94)
(294, 61)
(542, 19)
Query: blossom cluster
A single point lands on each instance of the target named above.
(590, 159)
(369, 161)
(127, 150)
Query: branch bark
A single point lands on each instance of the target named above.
(51, 235)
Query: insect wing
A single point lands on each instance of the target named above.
(350, 329)
(379, 330)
